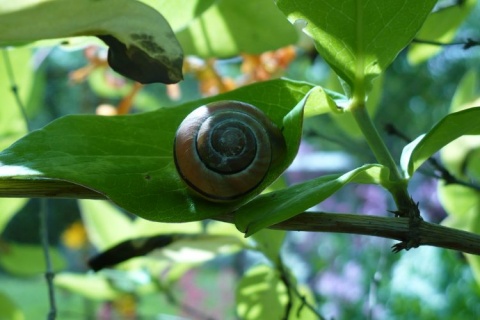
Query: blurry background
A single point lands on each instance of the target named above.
(351, 277)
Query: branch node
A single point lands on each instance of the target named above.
(412, 212)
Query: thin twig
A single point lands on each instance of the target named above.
(467, 44)
(292, 288)
(14, 87)
(49, 274)
(386, 227)
(288, 286)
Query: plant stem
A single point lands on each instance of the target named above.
(374, 140)
(430, 234)
(359, 223)
(397, 184)
(49, 274)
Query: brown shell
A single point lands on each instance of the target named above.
(223, 150)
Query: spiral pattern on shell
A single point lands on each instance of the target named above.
(223, 150)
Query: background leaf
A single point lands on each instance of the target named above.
(270, 242)
(448, 129)
(28, 260)
(261, 295)
(359, 39)
(459, 155)
(440, 26)
(129, 158)
(179, 19)
(200, 248)
(8, 209)
(142, 44)
(8, 309)
(105, 224)
(460, 158)
(231, 27)
(92, 286)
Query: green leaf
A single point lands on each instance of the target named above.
(359, 39)
(299, 311)
(179, 248)
(440, 26)
(146, 228)
(142, 44)
(322, 101)
(459, 157)
(198, 249)
(129, 158)
(105, 224)
(9, 208)
(278, 206)
(261, 295)
(463, 207)
(448, 129)
(180, 18)
(269, 242)
(92, 286)
(8, 309)
(466, 93)
(231, 27)
(28, 260)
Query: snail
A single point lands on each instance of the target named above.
(223, 150)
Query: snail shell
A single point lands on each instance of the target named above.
(223, 150)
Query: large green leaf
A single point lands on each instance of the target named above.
(359, 38)
(142, 44)
(440, 26)
(277, 206)
(129, 158)
(448, 129)
(231, 27)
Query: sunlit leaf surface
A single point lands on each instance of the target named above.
(129, 158)
(358, 38)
